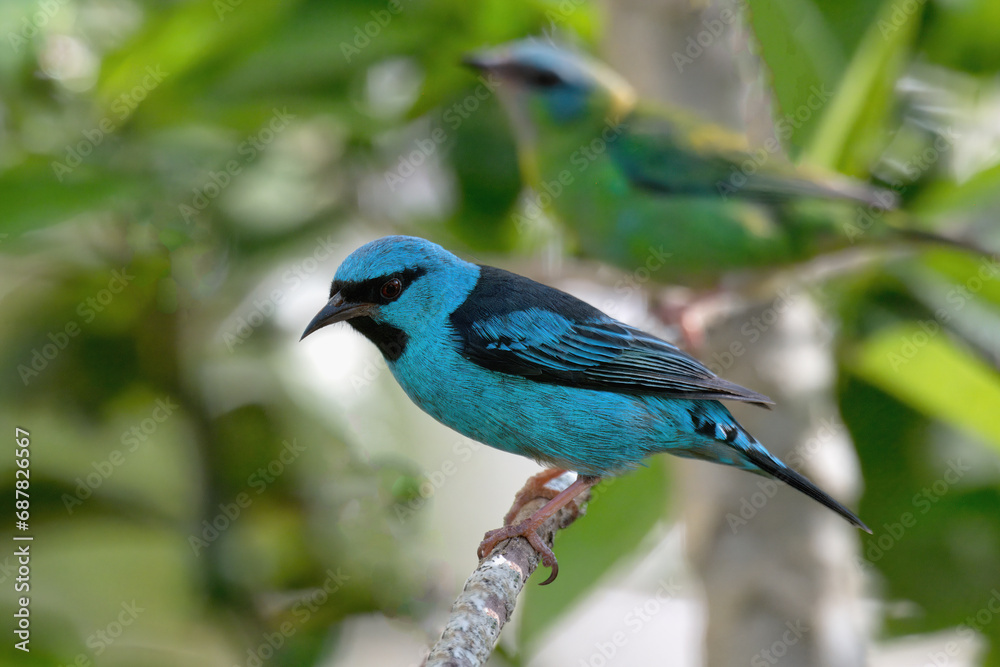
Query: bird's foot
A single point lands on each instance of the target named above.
(528, 529)
(692, 326)
(693, 314)
(535, 487)
(681, 311)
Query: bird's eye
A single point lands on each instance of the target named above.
(544, 79)
(391, 288)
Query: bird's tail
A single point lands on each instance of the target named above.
(934, 238)
(775, 468)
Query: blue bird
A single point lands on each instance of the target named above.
(531, 370)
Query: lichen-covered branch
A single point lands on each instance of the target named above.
(490, 593)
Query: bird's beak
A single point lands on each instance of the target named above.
(337, 310)
(483, 61)
(476, 61)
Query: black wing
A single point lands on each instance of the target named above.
(681, 155)
(513, 325)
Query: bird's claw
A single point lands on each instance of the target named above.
(528, 527)
(490, 541)
(528, 530)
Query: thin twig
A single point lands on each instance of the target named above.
(490, 593)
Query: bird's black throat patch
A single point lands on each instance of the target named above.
(390, 341)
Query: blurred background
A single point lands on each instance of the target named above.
(180, 180)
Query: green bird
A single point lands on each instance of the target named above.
(631, 179)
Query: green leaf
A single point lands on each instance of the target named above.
(945, 197)
(935, 517)
(968, 277)
(962, 35)
(33, 197)
(802, 54)
(917, 364)
(620, 515)
(848, 133)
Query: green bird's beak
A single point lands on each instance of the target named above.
(490, 60)
(475, 61)
(337, 310)
(481, 61)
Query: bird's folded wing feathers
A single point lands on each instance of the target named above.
(681, 156)
(586, 349)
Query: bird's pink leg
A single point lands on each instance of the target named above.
(533, 488)
(692, 315)
(528, 528)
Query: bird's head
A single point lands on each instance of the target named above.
(394, 288)
(542, 85)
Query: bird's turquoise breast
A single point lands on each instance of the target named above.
(591, 432)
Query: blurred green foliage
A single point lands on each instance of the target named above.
(158, 159)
